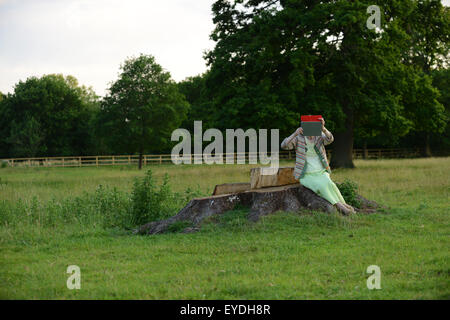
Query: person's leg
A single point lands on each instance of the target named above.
(334, 189)
(329, 190)
(322, 185)
(334, 195)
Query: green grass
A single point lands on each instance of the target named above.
(283, 256)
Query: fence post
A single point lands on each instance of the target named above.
(79, 159)
(160, 159)
(113, 160)
(96, 161)
(129, 159)
(62, 161)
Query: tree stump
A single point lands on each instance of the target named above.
(261, 202)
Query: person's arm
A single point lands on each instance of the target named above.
(289, 142)
(326, 135)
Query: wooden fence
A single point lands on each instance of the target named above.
(96, 161)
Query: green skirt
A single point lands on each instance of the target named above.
(320, 183)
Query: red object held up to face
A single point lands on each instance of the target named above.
(311, 118)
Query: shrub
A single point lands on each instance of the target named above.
(150, 203)
(349, 190)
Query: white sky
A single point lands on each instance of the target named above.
(89, 39)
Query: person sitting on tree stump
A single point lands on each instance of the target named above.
(312, 168)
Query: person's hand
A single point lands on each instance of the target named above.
(323, 124)
(299, 131)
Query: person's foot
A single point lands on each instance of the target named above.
(342, 208)
(352, 209)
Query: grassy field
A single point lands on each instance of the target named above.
(283, 256)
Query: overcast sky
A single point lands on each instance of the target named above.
(89, 39)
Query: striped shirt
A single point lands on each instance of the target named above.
(299, 143)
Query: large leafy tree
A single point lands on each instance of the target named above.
(253, 74)
(199, 98)
(275, 60)
(142, 108)
(46, 116)
(428, 28)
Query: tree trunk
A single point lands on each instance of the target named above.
(426, 149)
(342, 156)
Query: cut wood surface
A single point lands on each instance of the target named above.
(228, 188)
(271, 177)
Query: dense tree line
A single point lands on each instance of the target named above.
(274, 60)
(51, 115)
